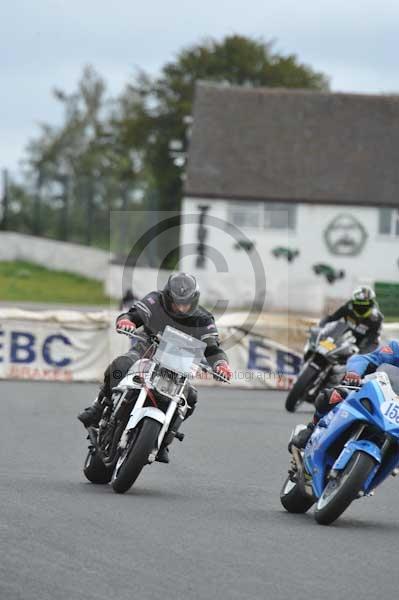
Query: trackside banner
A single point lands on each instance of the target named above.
(72, 346)
(52, 346)
(259, 362)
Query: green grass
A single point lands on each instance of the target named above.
(27, 282)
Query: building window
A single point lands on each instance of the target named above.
(262, 215)
(280, 216)
(389, 222)
(246, 214)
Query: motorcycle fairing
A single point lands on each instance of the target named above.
(317, 456)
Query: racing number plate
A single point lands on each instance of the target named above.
(390, 410)
(328, 345)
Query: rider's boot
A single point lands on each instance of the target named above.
(325, 401)
(302, 437)
(91, 416)
(163, 452)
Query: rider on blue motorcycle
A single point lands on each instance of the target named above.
(357, 366)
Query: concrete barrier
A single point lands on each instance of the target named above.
(61, 256)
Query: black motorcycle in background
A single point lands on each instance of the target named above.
(325, 356)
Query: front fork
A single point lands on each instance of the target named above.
(168, 419)
(170, 412)
(142, 397)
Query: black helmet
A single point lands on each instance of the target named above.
(181, 290)
(363, 300)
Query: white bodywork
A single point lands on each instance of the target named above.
(164, 375)
(141, 412)
(385, 385)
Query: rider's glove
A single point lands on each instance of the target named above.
(125, 326)
(222, 368)
(351, 378)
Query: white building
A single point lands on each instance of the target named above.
(296, 189)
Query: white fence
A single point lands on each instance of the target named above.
(73, 346)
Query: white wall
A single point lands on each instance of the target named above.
(141, 280)
(294, 285)
(62, 256)
(214, 287)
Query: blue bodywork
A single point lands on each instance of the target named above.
(324, 451)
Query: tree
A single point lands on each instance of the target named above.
(155, 108)
(108, 150)
(81, 170)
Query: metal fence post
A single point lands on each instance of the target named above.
(5, 201)
(37, 205)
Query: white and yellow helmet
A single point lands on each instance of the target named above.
(363, 300)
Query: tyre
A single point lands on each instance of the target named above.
(339, 493)
(296, 394)
(95, 470)
(292, 498)
(136, 456)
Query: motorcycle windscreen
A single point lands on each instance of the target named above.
(178, 351)
(335, 329)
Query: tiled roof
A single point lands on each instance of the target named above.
(294, 145)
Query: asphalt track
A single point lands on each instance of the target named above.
(209, 525)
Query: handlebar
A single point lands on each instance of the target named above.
(153, 337)
(351, 387)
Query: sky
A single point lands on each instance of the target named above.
(46, 43)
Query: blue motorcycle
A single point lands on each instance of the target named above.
(352, 450)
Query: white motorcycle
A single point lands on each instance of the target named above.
(148, 407)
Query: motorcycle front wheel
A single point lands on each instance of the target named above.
(135, 457)
(340, 492)
(298, 391)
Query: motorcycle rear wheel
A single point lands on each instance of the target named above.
(95, 470)
(293, 499)
(298, 391)
(339, 493)
(136, 456)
